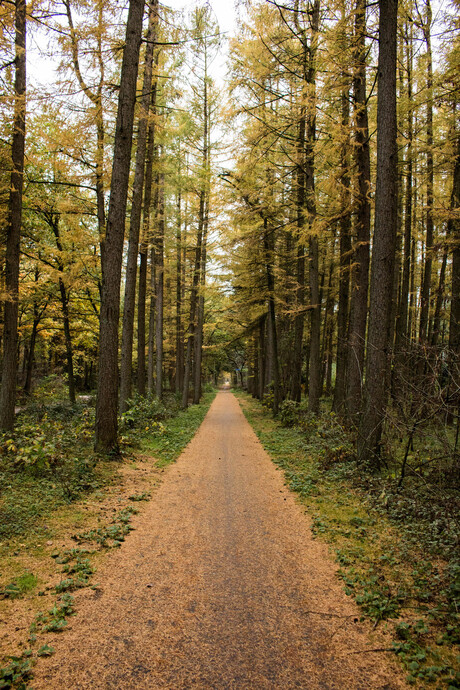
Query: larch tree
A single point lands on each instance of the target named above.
(14, 223)
(106, 439)
(382, 268)
(136, 212)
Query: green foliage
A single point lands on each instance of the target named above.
(45, 650)
(289, 413)
(145, 496)
(22, 585)
(54, 620)
(179, 430)
(80, 572)
(112, 535)
(16, 673)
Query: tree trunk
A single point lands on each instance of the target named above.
(453, 231)
(179, 334)
(67, 338)
(436, 327)
(314, 382)
(198, 354)
(193, 301)
(402, 322)
(159, 289)
(345, 260)
(296, 389)
(262, 357)
(269, 251)
(106, 439)
(13, 230)
(426, 280)
(152, 322)
(31, 353)
(143, 253)
(135, 220)
(382, 273)
(360, 272)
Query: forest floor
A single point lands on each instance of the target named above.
(221, 585)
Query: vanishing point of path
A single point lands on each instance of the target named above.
(220, 586)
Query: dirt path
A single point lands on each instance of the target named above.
(220, 586)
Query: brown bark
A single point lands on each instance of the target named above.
(135, 219)
(426, 280)
(179, 330)
(198, 345)
(68, 338)
(436, 323)
(193, 301)
(143, 251)
(338, 404)
(453, 230)
(269, 252)
(402, 321)
(360, 272)
(14, 224)
(314, 381)
(296, 390)
(159, 289)
(382, 273)
(107, 394)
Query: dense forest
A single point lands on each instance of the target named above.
(291, 226)
(298, 227)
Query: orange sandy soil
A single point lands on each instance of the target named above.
(221, 585)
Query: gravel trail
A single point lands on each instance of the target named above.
(220, 586)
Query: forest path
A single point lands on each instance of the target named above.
(220, 586)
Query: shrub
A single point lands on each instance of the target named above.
(289, 413)
(142, 411)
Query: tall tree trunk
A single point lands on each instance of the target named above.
(382, 273)
(194, 301)
(402, 322)
(345, 258)
(13, 230)
(198, 354)
(152, 322)
(296, 385)
(426, 280)
(32, 342)
(314, 383)
(135, 220)
(106, 439)
(328, 322)
(144, 246)
(262, 357)
(269, 251)
(67, 338)
(179, 334)
(453, 231)
(360, 272)
(159, 289)
(436, 327)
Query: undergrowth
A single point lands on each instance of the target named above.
(399, 566)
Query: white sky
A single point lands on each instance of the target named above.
(223, 9)
(41, 70)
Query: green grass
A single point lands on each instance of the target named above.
(413, 593)
(177, 433)
(21, 585)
